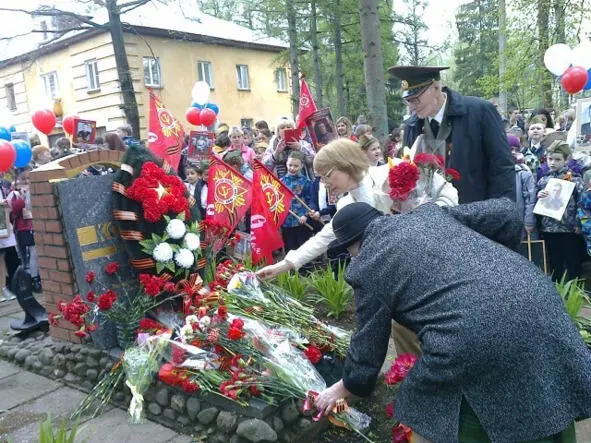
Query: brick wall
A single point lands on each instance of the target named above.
(55, 265)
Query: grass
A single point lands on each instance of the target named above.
(335, 294)
(296, 285)
(575, 298)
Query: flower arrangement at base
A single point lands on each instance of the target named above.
(393, 378)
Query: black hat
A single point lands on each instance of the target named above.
(350, 222)
(415, 79)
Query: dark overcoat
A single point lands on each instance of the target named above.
(477, 148)
(492, 326)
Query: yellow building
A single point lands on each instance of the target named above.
(167, 50)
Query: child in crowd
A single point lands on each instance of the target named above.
(584, 211)
(563, 241)
(294, 231)
(536, 133)
(236, 160)
(197, 188)
(525, 186)
(9, 259)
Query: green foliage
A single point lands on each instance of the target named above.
(575, 298)
(295, 285)
(336, 294)
(46, 434)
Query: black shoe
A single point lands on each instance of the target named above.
(36, 281)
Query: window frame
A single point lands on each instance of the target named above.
(286, 87)
(151, 61)
(9, 92)
(92, 65)
(239, 76)
(46, 84)
(210, 72)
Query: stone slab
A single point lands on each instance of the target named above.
(8, 369)
(584, 430)
(114, 427)
(23, 387)
(22, 422)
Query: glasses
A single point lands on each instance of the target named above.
(416, 100)
(326, 176)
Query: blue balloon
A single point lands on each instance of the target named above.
(24, 153)
(12, 128)
(5, 134)
(588, 85)
(213, 107)
(196, 105)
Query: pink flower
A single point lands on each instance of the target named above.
(399, 369)
(390, 410)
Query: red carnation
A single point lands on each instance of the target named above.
(428, 160)
(178, 354)
(53, 319)
(112, 268)
(106, 300)
(390, 410)
(452, 174)
(402, 179)
(80, 333)
(313, 354)
(399, 369)
(223, 311)
(169, 287)
(401, 434)
(235, 333)
(90, 277)
(189, 386)
(92, 327)
(170, 375)
(90, 296)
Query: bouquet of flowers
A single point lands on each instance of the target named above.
(393, 378)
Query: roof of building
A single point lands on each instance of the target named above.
(175, 19)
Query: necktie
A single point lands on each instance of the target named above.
(434, 126)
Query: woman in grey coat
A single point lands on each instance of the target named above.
(495, 336)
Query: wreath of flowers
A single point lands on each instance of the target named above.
(158, 192)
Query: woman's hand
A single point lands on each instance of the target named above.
(280, 147)
(294, 145)
(272, 271)
(543, 194)
(315, 215)
(302, 220)
(327, 399)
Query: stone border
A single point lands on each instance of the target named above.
(217, 419)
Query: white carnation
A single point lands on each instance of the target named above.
(191, 319)
(192, 241)
(204, 323)
(186, 332)
(184, 258)
(162, 252)
(176, 229)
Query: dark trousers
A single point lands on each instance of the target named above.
(295, 237)
(12, 261)
(564, 254)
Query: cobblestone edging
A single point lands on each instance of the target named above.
(216, 418)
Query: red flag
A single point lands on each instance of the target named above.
(165, 133)
(307, 105)
(271, 201)
(228, 195)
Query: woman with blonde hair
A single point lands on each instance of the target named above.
(345, 128)
(275, 157)
(237, 144)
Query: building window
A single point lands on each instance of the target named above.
(44, 29)
(205, 73)
(10, 97)
(50, 84)
(242, 76)
(92, 75)
(152, 72)
(281, 79)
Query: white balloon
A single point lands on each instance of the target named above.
(582, 55)
(558, 58)
(200, 92)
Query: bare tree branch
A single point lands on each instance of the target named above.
(126, 7)
(44, 11)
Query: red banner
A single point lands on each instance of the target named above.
(271, 201)
(228, 195)
(165, 133)
(307, 105)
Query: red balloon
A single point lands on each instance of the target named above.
(7, 155)
(68, 123)
(574, 79)
(192, 116)
(207, 117)
(44, 120)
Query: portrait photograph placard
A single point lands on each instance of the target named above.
(84, 131)
(583, 122)
(321, 128)
(200, 144)
(554, 205)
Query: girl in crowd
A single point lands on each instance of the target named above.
(345, 129)
(275, 157)
(237, 139)
(546, 118)
(371, 147)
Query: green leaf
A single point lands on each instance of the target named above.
(181, 216)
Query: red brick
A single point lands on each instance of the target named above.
(61, 276)
(74, 338)
(53, 226)
(75, 162)
(40, 250)
(38, 225)
(59, 332)
(51, 307)
(58, 240)
(56, 251)
(69, 290)
(47, 263)
(52, 213)
(63, 265)
(42, 188)
(51, 287)
(45, 200)
(40, 212)
(44, 274)
(94, 156)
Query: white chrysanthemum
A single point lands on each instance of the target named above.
(191, 319)
(186, 332)
(204, 322)
(176, 229)
(192, 241)
(184, 258)
(162, 252)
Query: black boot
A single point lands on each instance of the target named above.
(36, 281)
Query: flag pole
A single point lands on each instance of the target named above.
(298, 217)
(306, 206)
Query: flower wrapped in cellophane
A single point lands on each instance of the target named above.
(140, 363)
(247, 296)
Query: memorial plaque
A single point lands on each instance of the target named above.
(91, 235)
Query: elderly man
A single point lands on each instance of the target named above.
(467, 131)
(501, 361)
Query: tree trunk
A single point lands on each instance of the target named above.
(373, 67)
(415, 35)
(338, 51)
(293, 57)
(125, 80)
(502, 57)
(318, 80)
(545, 81)
(560, 38)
